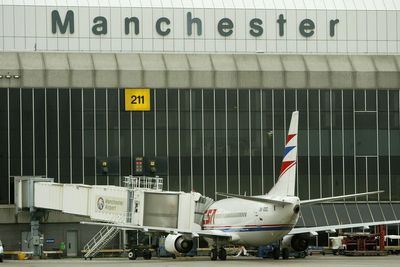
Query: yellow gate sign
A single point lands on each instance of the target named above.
(137, 99)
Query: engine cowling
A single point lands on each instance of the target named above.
(296, 242)
(178, 244)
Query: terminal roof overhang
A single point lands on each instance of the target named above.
(163, 70)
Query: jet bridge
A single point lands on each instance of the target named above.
(140, 201)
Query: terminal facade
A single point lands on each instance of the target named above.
(224, 77)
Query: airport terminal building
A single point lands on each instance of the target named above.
(223, 77)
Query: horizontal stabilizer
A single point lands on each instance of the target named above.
(327, 199)
(256, 199)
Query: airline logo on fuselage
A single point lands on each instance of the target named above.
(209, 216)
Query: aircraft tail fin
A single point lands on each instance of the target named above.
(287, 177)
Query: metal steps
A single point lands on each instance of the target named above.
(105, 235)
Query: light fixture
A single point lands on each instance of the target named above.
(1, 76)
(16, 76)
(8, 76)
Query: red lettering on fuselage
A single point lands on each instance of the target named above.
(209, 216)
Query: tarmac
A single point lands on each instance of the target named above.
(317, 260)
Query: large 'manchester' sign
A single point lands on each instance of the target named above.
(225, 26)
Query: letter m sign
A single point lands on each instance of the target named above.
(63, 26)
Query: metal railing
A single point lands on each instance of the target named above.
(145, 182)
(105, 235)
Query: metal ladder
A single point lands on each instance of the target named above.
(105, 235)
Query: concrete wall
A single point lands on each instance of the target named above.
(119, 70)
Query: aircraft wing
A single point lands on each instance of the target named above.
(194, 233)
(313, 230)
(327, 199)
(256, 199)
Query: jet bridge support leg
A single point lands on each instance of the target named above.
(36, 238)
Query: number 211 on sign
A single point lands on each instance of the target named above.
(137, 99)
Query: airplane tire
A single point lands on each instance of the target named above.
(285, 253)
(147, 254)
(132, 255)
(222, 254)
(213, 254)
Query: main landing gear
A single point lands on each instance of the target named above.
(215, 253)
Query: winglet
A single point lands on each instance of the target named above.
(287, 177)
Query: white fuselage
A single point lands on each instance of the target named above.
(251, 223)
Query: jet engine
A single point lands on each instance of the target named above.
(178, 244)
(296, 242)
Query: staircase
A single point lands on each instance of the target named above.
(105, 235)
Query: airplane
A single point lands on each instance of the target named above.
(251, 221)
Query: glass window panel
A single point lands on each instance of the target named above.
(337, 176)
(39, 130)
(290, 104)
(395, 177)
(4, 147)
(186, 167)
(257, 188)
(198, 185)
(330, 214)
(52, 134)
(326, 176)
(308, 216)
(173, 173)
(76, 138)
(341, 212)
(210, 177)
(384, 177)
(370, 99)
(161, 122)
(64, 134)
(354, 213)
(303, 177)
(233, 178)
(372, 175)
(255, 100)
(315, 176)
(393, 100)
(209, 138)
(90, 163)
(377, 212)
(383, 121)
(319, 215)
(27, 132)
(349, 175)
(361, 176)
(137, 134)
(359, 100)
(388, 211)
(366, 133)
(365, 212)
(336, 109)
(302, 107)
(396, 209)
